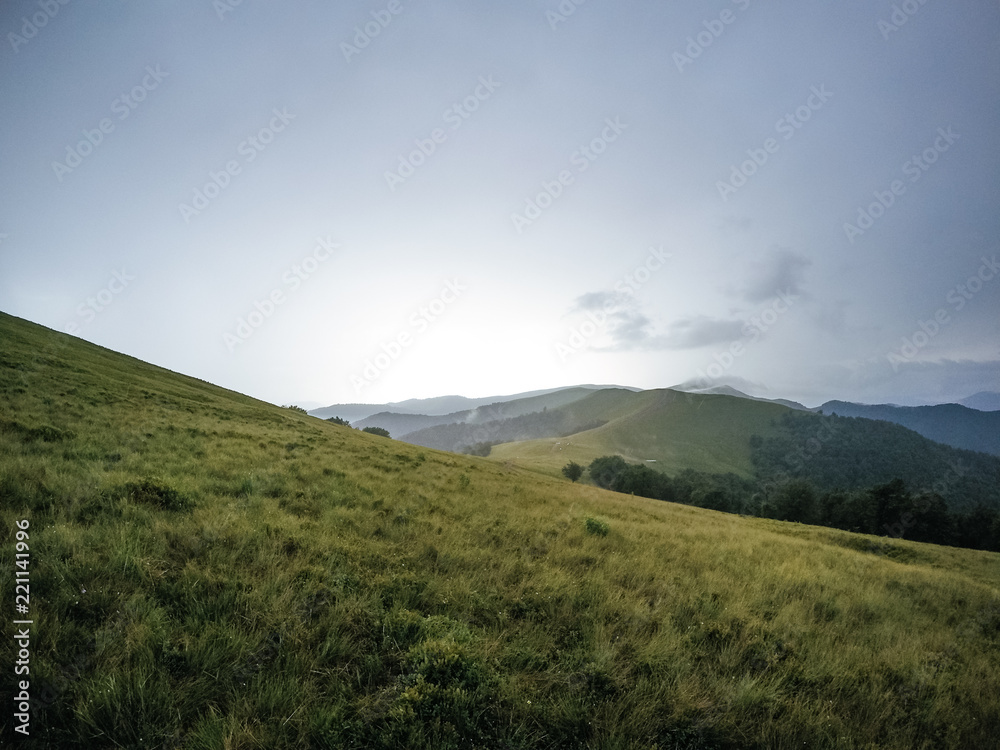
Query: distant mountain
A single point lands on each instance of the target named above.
(666, 428)
(951, 424)
(439, 406)
(983, 401)
(717, 433)
(401, 424)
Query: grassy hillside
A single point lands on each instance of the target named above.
(210, 571)
(666, 429)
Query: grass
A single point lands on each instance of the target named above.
(210, 571)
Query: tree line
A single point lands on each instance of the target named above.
(887, 509)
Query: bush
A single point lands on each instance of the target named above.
(165, 498)
(380, 431)
(293, 407)
(596, 527)
(338, 420)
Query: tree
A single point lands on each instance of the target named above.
(478, 449)
(605, 470)
(381, 431)
(796, 501)
(572, 471)
(338, 420)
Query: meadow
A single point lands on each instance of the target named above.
(211, 571)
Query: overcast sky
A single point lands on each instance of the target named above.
(319, 202)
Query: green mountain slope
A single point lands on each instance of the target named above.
(844, 453)
(951, 424)
(207, 570)
(667, 429)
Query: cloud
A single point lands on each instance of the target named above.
(629, 329)
(697, 331)
(780, 271)
(623, 322)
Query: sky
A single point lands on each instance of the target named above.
(321, 203)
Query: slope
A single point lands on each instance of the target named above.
(207, 570)
(951, 424)
(668, 429)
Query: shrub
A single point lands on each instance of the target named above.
(381, 431)
(165, 498)
(596, 527)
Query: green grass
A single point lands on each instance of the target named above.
(209, 571)
(665, 429)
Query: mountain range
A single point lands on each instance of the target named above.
(957, 425)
